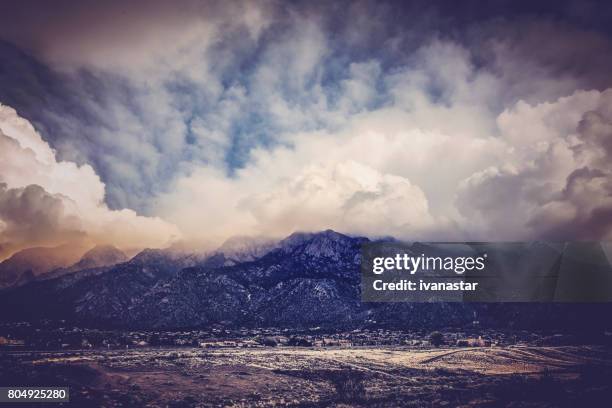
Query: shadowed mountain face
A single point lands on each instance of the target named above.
(99, 256)
(305, 280)
(308, 279)
(48, 263)
(28, 264)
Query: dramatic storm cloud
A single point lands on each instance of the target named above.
(412, 119)
(46, 202)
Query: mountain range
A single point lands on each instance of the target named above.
(41, 263)
(305, 280)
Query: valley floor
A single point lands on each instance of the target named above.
(519, 376)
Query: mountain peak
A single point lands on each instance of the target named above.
(148, 255)
(324, 239)
(100, 255)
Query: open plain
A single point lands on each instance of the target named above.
(518, 376)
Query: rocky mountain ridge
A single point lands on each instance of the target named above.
(305, 280)
(29, 264)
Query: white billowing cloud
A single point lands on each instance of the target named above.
(346, 196)
(556, 180)
(27, 159)
(359, 181)
(45, 202)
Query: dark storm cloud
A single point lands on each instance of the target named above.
(30, 216)
(588, 189)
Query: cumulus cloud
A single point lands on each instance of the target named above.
(555, 181)
(46, 202)
(30, 216)
(346, 196)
